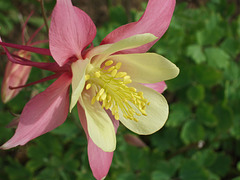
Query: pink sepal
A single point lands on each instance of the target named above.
(99, 160)
(70, 32)
(42, 113)
(159, 87)
(155, 20)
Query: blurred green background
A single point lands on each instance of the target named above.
(201, 139)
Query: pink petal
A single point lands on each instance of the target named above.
(99, 160)
(43, 113)
(155, 20)
(159, 87)
(70, 32)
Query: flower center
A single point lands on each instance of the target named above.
(112, 91)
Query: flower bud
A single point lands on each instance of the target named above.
(15, 75)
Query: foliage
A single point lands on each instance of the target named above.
(201, 139)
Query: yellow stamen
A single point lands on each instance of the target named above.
(117, 116)
(108, 63)
(87, 77)
(118, 65)
(111, 68)
(101, 92)
(113, 92)
(93, 100)
(103, 96)
(88, 86)
(97, 74)
(133, 89)
(120, 74)
(114, 72)
(127, 80)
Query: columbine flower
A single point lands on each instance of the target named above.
(108, 81)
(15, 74)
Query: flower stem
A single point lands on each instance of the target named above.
(44, 14)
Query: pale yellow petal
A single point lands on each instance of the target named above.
(97, 50)
(147, 67)
(157, 113)
(100, 126)
(78, 80)
(128, 43)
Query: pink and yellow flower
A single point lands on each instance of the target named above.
(110, 82)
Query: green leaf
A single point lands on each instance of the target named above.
(4, 5)
(196, 94)
(180, 112)
(16, 171)
(135, 158)
(118, 14)
(6, 133)
(205, 75)
(206, 37)
(238, 166)
(165, 168)
(213, 31)
(238, 25)
(196, 53)
(156, 175)
(231, 46)
(48, 173)
(232, 73)
(236, 178)
(191, 170)
(192, 132)
(221, 165)
(167, 138)
(182, 80)
(205, 115)
(235, 129)
(68, 131)
(217, 57)
(224, 116)
(126, 176)
(205, 158)
(6, 24)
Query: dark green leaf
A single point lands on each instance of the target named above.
(196, 53)
(196, 94)
(192, 132)
(191, 170)
(217, 57)
(180, 112)
(205, 115)
(221, 165)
